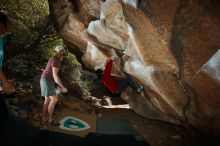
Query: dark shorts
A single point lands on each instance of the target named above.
(48, 87)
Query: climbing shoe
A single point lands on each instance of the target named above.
(139, 90)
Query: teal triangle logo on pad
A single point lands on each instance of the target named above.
(73, 124)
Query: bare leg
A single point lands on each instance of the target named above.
(53, 102)
(45, 109)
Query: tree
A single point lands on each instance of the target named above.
(34, 35)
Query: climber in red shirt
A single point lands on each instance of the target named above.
(116, 86)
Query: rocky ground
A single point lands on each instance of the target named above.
(27, 106)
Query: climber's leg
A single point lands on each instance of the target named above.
(122, 85)
(138, 88)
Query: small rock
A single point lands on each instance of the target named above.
(176, 137)
(99, 115)
(36, 116)
(13, 101)
(93, 112)
(36, 124)
(13, 107)
(135, 126)
(15, 113)
(23, 114)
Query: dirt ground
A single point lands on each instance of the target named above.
(28, 107)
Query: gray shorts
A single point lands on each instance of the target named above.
(48, 87)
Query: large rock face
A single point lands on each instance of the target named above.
(170, 46)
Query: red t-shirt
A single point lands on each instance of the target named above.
(53, 62)
(107, 79)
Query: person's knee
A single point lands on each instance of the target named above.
(54, 99)
(46, 100)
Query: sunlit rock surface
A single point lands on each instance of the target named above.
(171, 47)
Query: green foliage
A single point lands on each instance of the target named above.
(22, 68)
(70, 68)
(47, 49)
(71, 73)
(30, 20)
(84, 84)
(34, 36)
